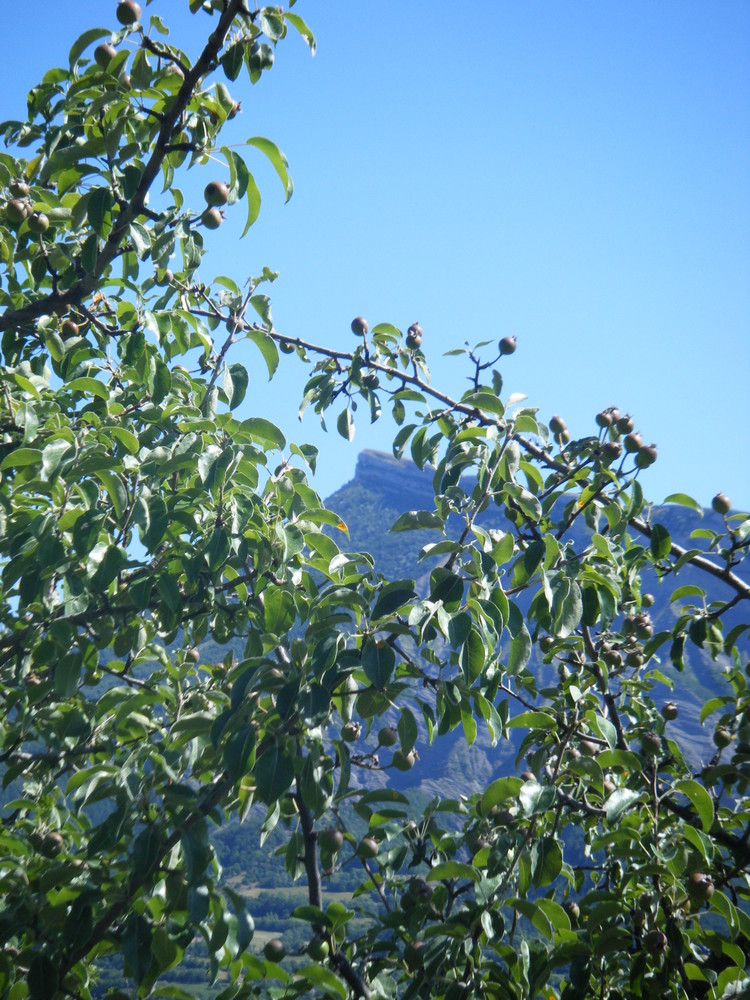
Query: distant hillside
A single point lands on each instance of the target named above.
(384, 487)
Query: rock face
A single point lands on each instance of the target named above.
(384, 487)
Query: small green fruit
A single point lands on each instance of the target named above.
(721, 503)
(38, 222)
(287, 347)
(557, 425)
(104, 54)
(274, 950)
(651, 744)
(647, 600)
(331, 840)
(604, 418)
(192, 655)
(669, 711)
(360, 326)
(216, 194)
(368, 848)
(611, 451)
(16, 211)
(625, 424)
(633, 443)
(128, 12)
(351, 732)
(19, 188)
(414, 337)
(69, 329)
(413, 955)
(318, 949)
(387, 736)
(646, 456)
(722, 737)
(655, 941)
(700, 887)
(404, 761)
(508, 345)
(588, 748)
(212, 218)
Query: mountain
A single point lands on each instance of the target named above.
(384, 487)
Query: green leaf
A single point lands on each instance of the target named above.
(702, 801)
(274, 773)
(532, 720)
(660, 542)
(535, 798)
(267, 347)
(263, 431)
(619, 801)
(278, 161)
(684, 500)
(296, 21)
(414, 520)
(392, 597)
(407, 730)
(239, 379)
(453, 869)
(378, 662)
(345, 424)
(472, 656)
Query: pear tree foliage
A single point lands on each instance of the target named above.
(146, 509)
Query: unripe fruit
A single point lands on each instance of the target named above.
(646, 456)
(318, 949)
(192, 655)
(212, 218)
(216, 193)
(166, 279)
(331, 840)
(604, 419)
(611, 451)
(387, 736)
(588, 748)
(700, 887)
(647, 600)
(633, 443)
(414, 336)
(634, 658)
(503, 817)
(38, 222)
(404, 761)
(573, 910)
(721, 503)
(350, 732)
(722, 737)
(546, 643)
(655, 941)
(128, 12)
(413, 955)
(557, 425)
(368, 848)
(651, 744)
(360, 326)
(274, 950)
(669, 711)
(52, 844)
(104, 54)
(69, 329)
(508, 345)
(369, 380)
(19, 188)
(16, 211)
(625, 424)
(287, 347)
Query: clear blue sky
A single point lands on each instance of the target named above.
(576, 174)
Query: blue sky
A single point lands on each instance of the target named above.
(576, 174)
